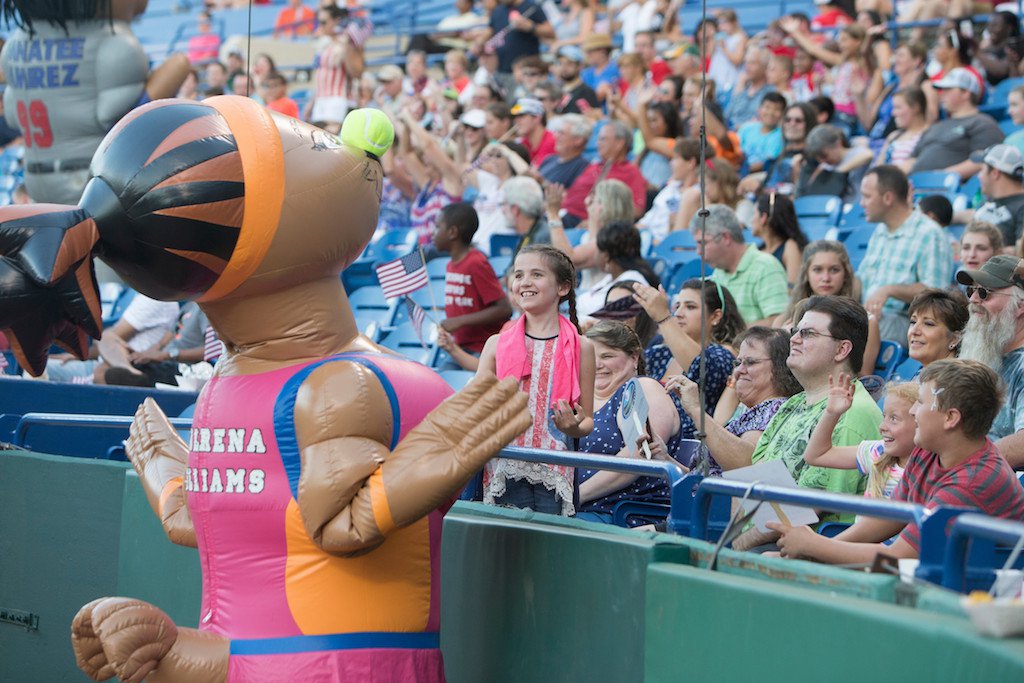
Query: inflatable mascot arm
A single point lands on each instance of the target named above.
(318, 466)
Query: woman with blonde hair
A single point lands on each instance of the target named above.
(979, 242)
(610, 200)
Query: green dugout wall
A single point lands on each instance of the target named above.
(524, 597)
(73, 530)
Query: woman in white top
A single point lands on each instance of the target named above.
(618, 255)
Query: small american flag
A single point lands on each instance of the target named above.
(212, 346)
(417, 315)
(403, 275)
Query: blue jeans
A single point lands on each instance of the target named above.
(520, 493)
(601, 517)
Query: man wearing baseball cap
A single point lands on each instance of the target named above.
(995, 336)
(947, 145)
(1002, 183)
(577, 96)
(528, 115)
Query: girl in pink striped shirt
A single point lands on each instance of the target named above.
(555, 367)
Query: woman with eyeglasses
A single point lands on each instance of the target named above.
(759, 385)
(776, 225)
(797, 122)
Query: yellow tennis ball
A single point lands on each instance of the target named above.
(368, 129)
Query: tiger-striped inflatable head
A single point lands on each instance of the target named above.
(189, 201)
(193, 200)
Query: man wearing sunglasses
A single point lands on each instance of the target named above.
(995, 336)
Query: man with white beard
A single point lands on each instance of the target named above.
(995, 336)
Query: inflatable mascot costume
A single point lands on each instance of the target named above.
(73, 69)
(319, 467)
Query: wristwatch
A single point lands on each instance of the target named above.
(174, 353)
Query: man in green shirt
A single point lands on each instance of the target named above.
(755, 279)
(828, 338)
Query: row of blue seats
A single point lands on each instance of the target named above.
(960, 548)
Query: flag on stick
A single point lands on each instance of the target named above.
(212, 346)
(403, 275)
(417, 315)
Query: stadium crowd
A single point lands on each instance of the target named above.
(574, 135)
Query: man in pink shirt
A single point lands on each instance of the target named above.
(613, 144)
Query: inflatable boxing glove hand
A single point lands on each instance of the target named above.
(160, 456)
(438, 456)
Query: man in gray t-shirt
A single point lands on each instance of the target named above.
(947, 145)
(1002, 183)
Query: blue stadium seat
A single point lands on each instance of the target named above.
(907, 370)
(1008, 126)
(368, 326)
(456, 379)
(575, 235)
(818, 206)
(856, 244)
(853, 214)
(431, 297)
(677, 247)
(436, 267)
(818, 227)
(118, 306)
(500, 264)
(890, 355)
(662, 268)
(934, 182)
(683, 272)
(1000, 93)
(389, 246)
(503, 245)
(369, 304)
(646, 242)
(403, 340)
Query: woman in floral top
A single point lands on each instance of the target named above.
(762, 382)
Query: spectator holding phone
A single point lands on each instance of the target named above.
(577, 96)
